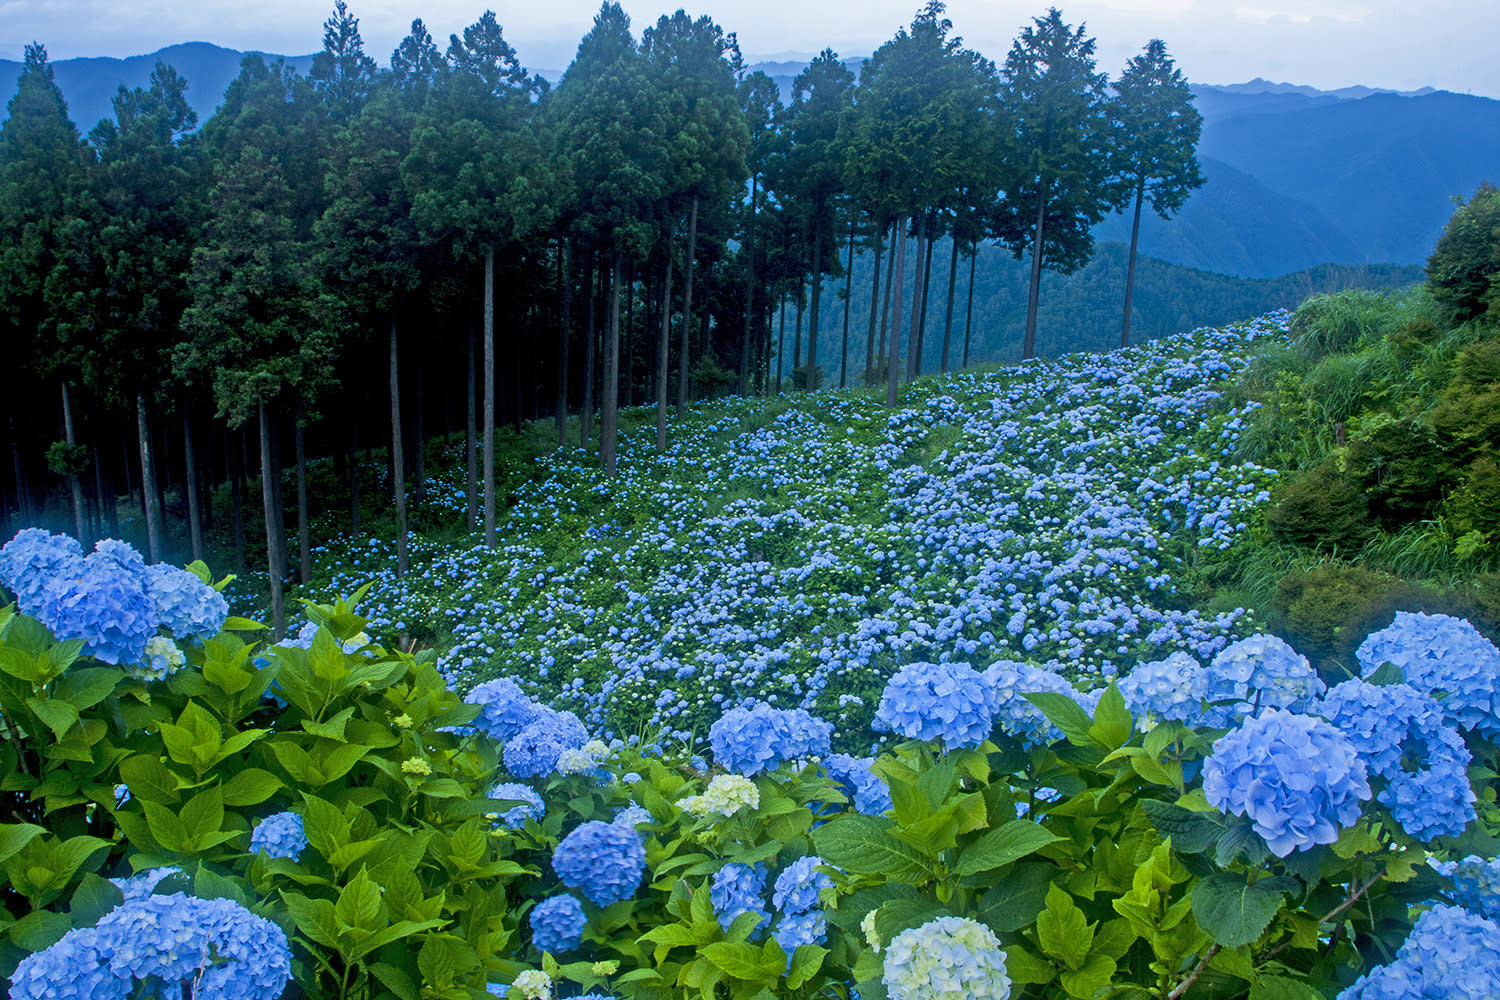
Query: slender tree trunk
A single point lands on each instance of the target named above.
(610, 432)
(918, 300)
(1028, 344)
(662, 342)
(274, 557)
(75, 483)
(797, 339)
(419, 457)
(489, 398)
(893, 368)
(1135, 235)
(586, 419)
(304, 540)
(235, 459)
(969, 312)
(780, 344)
(848, 301)
(190, 463)
(885, 307)
(627, 337)
(280, 500)
(930, 241)
(108, 522)
(810, 383)
(565, 287)
(23, 493)
(687, 310)
(749, 291)
(952, 287)
(874, 309)
(471, 436)
(148, 481)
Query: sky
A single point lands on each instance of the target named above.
(1394, 44)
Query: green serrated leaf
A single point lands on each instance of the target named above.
(1191, 832)
(863, 845)
(1113, 725)
(1233, 911)
(1015, 901)
(1002, 845)
(1067, 715)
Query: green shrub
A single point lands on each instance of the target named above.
(1322, 509)
(1462, 269)
(1336, 322)
(1402, 469)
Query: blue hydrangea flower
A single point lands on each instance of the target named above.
(280, 835)
(104, 603)
(756, 737)
(185, 605)
(938, 701)
(796, 929)
(530, 805)
(737, 889)
(120, 554)
(33, 559)
(1476, 884)
(163, 658)
(1420, 759)
(633, 815)
(1169, 690)
(868, 791)
(534, 751)
(1451, 954)
(1011, 681)
(1445, 657)
(798, 885)
(505, 708)
(223, 949)
(947, 958)
(1260, 672)
(138, 887)
(1297, 778)
(603, 860)
(557, 924)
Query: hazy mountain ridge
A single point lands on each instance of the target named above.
(1296, 176)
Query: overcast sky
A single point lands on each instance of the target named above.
(1448, 44)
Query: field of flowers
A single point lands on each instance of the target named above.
(804, 548)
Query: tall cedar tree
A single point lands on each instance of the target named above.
(1156, 132)
(759, 100)
(473, 178)
(608, 134)
(342, 74)
(1059, 109)
(46, 228)
(150, 189)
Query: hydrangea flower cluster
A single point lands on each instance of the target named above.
(505, 709)
(870, 794)
(280, 835)
(530, 804)
(1445, 657)
(632, 816)
(1451, 954)
(795, 897)
(1296, 777)
(1011, 681)
(948, 958)
(603, 860)
(532, 984)
(224, 949)
(1169, 690)
(111, 599)
(557, 924)
(535, 750)
(1256, 673)
(950, 702)
(726, 795)
(737, 889)
(1476, 884)
(1422, 761)
(756, 737)
(138, 887)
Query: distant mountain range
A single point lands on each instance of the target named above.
(1296, 176)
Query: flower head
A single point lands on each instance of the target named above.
(737, 889)
(950, 702)
(949, 958)
(280, 835)
(1451, 954)
(557, 924)
(869, 792)
(726, 795)
(530, 804)
(534, 752)
(505, 709)
(756, 737)
(185, 605)
(33, 559)
(1445, 657)
(799, 885)
(603, 860)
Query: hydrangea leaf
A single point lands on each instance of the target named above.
(1014, 901)
(1234, 911)
(1063, 931)
(741, 960)
(1066, 714)
(1002, 845)
(863, 845)
(1191, 832)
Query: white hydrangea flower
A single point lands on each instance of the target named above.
(533, 984)
(949, 958)
(726, 795)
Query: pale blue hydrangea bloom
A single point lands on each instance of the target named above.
(1298, 779)
(603, 860)
(530, 804)
(102, 601)
(138, 887)
(185, 605)
(948, 958)
(756, 737)
(1169, 690)
(1476, 884)
(534, 751)
(76, 967)
(737, 889)
(1445, 657)
(1011, 681)
(796, 929)
(1451, 954)
(280, 835)
(799, 884)
(557, 924)
(163, 658)
(867, 789)
(505, 708)
(33, 559)
(948, 702)
(1260, 672)
(633, 815)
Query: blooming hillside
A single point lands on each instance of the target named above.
(802, 549)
